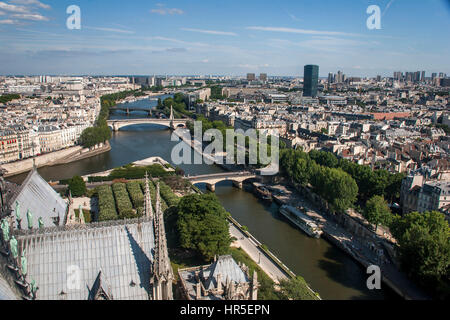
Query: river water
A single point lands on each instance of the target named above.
(328, 270)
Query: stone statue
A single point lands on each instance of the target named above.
(5, 229)
(23, 263)
(18, 218)
(30, 219)
(81, 215)
(34, 288)
(13, 245)
(41, 223)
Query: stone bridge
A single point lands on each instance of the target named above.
(128, 110)
(212, 179)
(116, 125)
(172, 123)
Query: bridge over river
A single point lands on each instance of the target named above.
(171, 122)
(211, 180)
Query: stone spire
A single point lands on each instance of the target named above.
(70, 217)
(171, 112)
(148, 209)
(162, 270)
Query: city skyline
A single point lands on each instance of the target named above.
(230, 39)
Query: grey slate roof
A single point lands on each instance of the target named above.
(226, 267)
(38, 196)
(6, 293)
(121, 250)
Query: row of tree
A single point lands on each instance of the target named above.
(177, 102)
(297, 165)
(333, 184)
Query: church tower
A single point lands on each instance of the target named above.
(162, 270)
(171, 118)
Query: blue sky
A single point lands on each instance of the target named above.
(223, 37)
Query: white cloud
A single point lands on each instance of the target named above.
(2, 13)
(23, 10)
(8, 21)
(253, 66)
(301, 31)
(387, 7)
(167, 39)
(115, 30)
(164, 11)
(13, 8)
(214, 32)
(30, 16)
(32, 3)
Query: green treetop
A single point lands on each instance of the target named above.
(377, 211)
(203, 226)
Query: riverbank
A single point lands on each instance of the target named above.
(363, 245)
(132, 99)
(59, 157)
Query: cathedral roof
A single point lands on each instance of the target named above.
(6, 293)
(227, 268)
(36, 195)
(119, 251)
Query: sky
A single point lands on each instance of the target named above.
(232, 37)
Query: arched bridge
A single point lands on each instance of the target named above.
(128, 110)
(211, 179)
(116, 125)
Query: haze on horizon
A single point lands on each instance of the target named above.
(223, 38)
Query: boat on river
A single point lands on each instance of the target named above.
(262, 192)
(301, 220)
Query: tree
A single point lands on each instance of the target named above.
(335, 186)
(377, 211)
(203, 226)
(424, 248)
(295, 289)
(77, 186)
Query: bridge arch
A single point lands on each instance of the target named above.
(237, 179)
(116, 125)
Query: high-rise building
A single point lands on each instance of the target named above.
(310, 80)
(433, 76)
(417, 76)
(398, 75)
(330, 78)
(251, 77)
(422, 78)
(339, 77)
(263, 77)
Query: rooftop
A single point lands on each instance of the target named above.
(67, 263)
